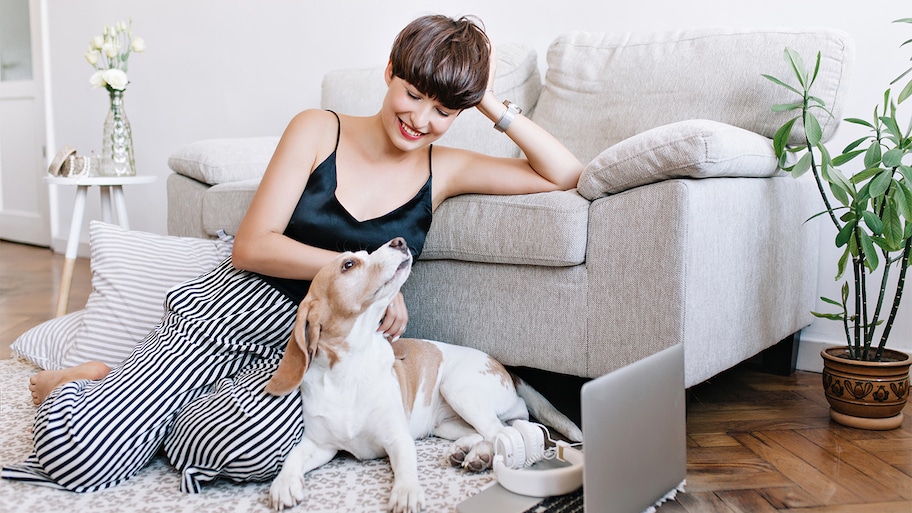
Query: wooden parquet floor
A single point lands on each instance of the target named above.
(757, 443)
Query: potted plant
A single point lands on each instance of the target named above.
(866, 384)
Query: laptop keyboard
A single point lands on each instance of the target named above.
(569, 503)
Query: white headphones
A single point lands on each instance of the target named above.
(521, 445)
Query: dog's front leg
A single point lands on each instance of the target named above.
(287, 489)
(407, 495)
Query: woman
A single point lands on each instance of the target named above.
(194, 386)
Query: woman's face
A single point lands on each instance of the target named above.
(412, 119)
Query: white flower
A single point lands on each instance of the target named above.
(97, 79)
(92, 56)
(115, 79)
(109, 53)
(138, 45)
(109, 49)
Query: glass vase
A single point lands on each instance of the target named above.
(117, 143)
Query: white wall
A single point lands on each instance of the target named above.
(231, 68)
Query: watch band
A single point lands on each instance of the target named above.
(508, 116)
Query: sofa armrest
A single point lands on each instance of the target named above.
(217, 161)
(697, 148)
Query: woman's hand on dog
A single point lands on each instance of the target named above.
(396, 319)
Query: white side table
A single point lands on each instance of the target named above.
(109, 187)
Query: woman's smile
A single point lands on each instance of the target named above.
(409, 132)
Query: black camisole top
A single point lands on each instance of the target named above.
(320, 220)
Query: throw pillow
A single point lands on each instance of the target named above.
(215, 161)
(696, 148)
(131, 273)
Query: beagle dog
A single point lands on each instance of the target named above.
(371, 397)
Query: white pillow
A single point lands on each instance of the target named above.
(697, 148)
(131, 273)
(215, 161)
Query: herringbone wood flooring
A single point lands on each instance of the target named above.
(757, 443)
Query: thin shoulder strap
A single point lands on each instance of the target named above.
(338, 129)
(430, 160)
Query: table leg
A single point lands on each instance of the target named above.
(66, 279)
(105, 193)
(120, 206)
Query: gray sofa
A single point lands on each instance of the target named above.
(681, 230)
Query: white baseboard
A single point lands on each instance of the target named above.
(809, 353)
(59, 244)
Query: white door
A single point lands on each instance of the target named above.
(24, 213)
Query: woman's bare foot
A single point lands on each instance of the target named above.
(43, 383)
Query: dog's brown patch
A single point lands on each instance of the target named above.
(497, 369)
(417, 361)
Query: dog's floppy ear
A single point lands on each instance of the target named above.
(300, 351)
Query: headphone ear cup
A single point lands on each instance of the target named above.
(509, 444)
(533, 441)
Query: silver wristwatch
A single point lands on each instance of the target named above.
(508, 116)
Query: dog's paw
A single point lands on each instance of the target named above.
(286, 491)
(406, 498)
(461, 448)
(480, 458)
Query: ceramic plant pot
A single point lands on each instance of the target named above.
(865, 394)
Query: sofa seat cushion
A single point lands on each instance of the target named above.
(215, 161)
(603, 88)
(697, 148)
(225, 205)
(546, 229)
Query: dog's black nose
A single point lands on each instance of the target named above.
(399, 243)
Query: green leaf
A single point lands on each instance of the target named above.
(873, 155)
(802, 166)
(873, 222)
(816, 70)
(812, 129)
(903, 207)
(893, 158)
(907, 173)
(861, 176)
(830, 301)
(870, 252)
(892, 227)
(785, 107)
(848, 154)
(906, 92)
(783, 84)
(892, 127)
(794, 59)
(854, 144)
(832, 317)
(845, 235)
(880, 183)
(858, 121)
(903, 20)
(780, 140)
(841, 264)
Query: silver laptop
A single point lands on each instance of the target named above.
(633, 441)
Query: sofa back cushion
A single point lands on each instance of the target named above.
(360, 92)
(603, 88)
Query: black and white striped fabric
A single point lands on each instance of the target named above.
(194, 385)
(131, 273)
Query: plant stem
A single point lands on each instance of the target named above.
(903, 266)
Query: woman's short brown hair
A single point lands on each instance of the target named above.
(446, 59)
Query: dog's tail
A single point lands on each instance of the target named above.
(545, 412)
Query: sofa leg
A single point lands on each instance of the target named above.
(782, 358)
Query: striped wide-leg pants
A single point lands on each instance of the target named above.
(194, 387)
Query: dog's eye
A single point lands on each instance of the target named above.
(347, 264)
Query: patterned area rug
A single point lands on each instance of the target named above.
(343, 485)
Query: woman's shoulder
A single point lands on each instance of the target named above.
(313, 120)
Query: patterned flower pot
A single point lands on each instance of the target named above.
(864, 394)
